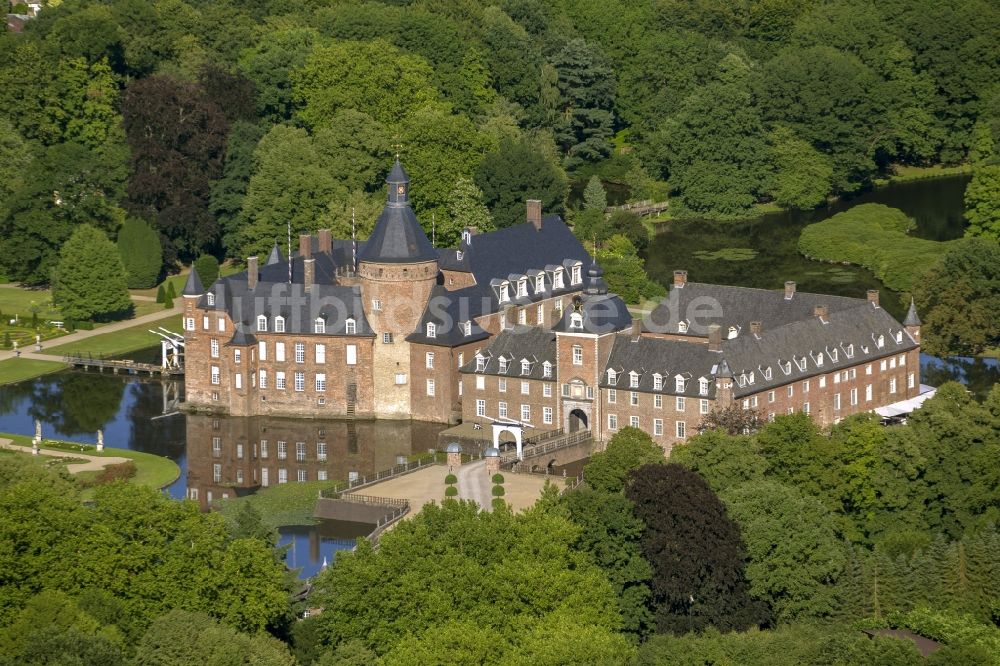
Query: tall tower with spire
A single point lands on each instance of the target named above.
(398, 268)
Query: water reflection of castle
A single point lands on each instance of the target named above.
(232, 456)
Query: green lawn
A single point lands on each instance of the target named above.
(19, 369)
(17, 300)
(118, 342)
(903, 173)
(283, 504)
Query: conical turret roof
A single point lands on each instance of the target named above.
(397, 236)
(193, 286)
(911, 316)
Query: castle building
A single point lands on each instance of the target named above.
(517, 326)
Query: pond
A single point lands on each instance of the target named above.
(762, 252)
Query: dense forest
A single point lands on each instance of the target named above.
(216, 123)
(778, 547)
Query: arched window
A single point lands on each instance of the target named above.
(431, 330)
(351, 326)
(319, 326)
(575, 320)
(279, 324)
(525, 366)
(261, 324)
(210, 298)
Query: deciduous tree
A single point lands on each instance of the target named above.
(89, 281)
(629, 449)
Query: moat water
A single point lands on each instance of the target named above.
(141, 414)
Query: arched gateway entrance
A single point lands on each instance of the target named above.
(578, 420)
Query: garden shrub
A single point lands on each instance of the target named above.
(498, 491)
(118, 472)
(161, 294)
(498, 479)
(498, 504)
(450, 479)
(450, 491)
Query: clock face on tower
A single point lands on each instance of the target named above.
(401, 189)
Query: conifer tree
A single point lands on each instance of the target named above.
(208, 269)
(139, 247)
(89, 281)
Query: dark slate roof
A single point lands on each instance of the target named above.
(449, 312)
(601, 313)
(737, 307)
(810, 339)
(533, 343)
(193, 286)
(669, 358)
(333, 303)
(397, 236)
(911, 316)
(241, 338)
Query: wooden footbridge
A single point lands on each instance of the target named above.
(120, 365)
(641, 208)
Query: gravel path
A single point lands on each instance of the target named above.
(93, 463)
(474, 484)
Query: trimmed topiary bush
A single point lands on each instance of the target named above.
(498, 491)
(161, 294)
(168, 302)
(498, 504)
(450, 491)
(498, 479)
(450, 479)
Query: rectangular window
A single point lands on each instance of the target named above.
(522, 316)
(882, 365)
(239, 380)
(612, 422)
(376, 304)
(302, 475)
(805, 386)
(352, 354)
(612, 396)
(480, 408)
(657, 401)
(854, 396)
(222, 325)
(321, 451)
(770, 396)
(791, 390)
(204, 323)
(282, 450)
(892, 385)
(429, 360)
(300, 451)
(320, 382)
(681, 430)
(822, 382)
(902, 360)
(300, 352)
(836, 401)
(321, 475)
(214, 348)
(321, 353)
(400, 378)
(217, 473)
(279, 351)
(387, 338)
(282, 476)
(215, 374)
(590, 393)
(680, 404)
(565, 390)
(703, 406)
(525, 412)
(633, 398)
(502, 409)
(658, 427)
(460, 387)
(265, 476)
(262, 350)
(892, 363)
(577, 355)
(911, 380)
(263, 448)
(300, 381)
(502, 385)
(279, 381)
(540, 315)
(263, 379)
(189, 323)
(547, 415)
(525, 388)
(547, 390)
(633, 421)
(430, 387)
(753, 402)
(868, 369)
(868, 393)
(805, 407)
(237, 356)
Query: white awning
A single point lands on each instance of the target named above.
(907, 406)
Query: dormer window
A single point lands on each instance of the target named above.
(575, 275)
(849, 350)
(351, 326)
(819, 361)
(261, 324)
(467, 328)
(432, 330)
(319, 326)
(458, 255)
(525, 366)
(210, 298)
(703, 386)
(657, 382)
(503, 365)
(679, 384)
(733, 332)
(279, 324)
(899, 337)
(767, 373)
(522, 287)
(466, 237)
(480, 363)
(546, 369)
(612, 377)
(682, 327)
(753, 377)
(801, 363)
(575, 320)
(557, 279)
(786, 367)
(504, 292)
(540, 283)
(880, 342)
(833, 355)
(633, 379)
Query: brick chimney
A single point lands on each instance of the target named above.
(325, 243)
(637, 327)
(305, 246)
(680, 279)
(821, 312)
(756, 328)
(534, 210)
(251, 272)
(309, 269)
(714, 337)
(873, 297)
(789, 290)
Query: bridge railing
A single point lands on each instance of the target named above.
(396, 470)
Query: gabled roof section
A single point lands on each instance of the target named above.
(659, 356)
(193, 286)
(531, 342)
(600, 314)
